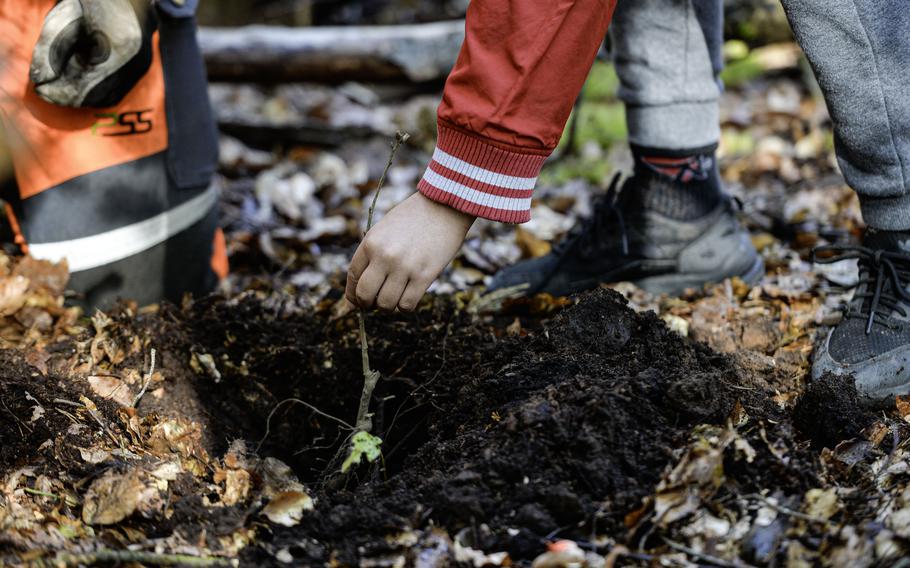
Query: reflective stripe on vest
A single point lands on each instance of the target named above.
(106, 248)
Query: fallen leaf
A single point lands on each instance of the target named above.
(531, 246)
(94, 455)
(287, 508)
(43, 274)
(903, 407)
(478, 559)
(236, 485)
(111, 388)
(112, 498)
(12, 294)
(38, 358)
(899, 522)
(821, 503)
(876, 433)
(699, 472)
(560, 554)
(277, 477)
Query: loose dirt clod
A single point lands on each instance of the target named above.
(830, 411)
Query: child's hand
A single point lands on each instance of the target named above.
(401, 256)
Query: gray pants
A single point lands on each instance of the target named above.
(668, 54)
(860, 51)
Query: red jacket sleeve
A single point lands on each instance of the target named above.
(507, 101)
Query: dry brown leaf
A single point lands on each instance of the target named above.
(531, 246)
(184, 438)
(236, 485)
(876, 433)
(112, 498)
(287, 508)
(903, 407)
(94, 455)
(12, 294)
(699, 472)
(38, 358)
(112, 388)
(44, 275)
(822, 503)
(277, 477)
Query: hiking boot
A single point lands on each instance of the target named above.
(872, 342)
(624, 241)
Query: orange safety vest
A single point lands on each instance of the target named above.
(98, 186)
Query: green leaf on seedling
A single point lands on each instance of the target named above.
(363, 444)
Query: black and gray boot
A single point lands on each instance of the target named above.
(872, 342)
(626, 239)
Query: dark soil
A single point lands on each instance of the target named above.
(23, 389)
(829, 411)
(554, 434)
(560, 433)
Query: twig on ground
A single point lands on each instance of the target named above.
(31, 491)
(147, 381)
(268, 423)
(129, 556)
(104, 427)
(370, 377)
(785, 510)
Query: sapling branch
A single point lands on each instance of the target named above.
(364, 421)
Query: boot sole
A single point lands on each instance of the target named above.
(676, 284)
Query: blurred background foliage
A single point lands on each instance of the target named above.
(754, 21)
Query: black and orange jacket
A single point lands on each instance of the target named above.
(124, 193)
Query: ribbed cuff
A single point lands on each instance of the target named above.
(479, 177)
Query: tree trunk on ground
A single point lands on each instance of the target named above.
(266, 54)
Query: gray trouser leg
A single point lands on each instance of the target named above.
(860, 51)
(667, 55)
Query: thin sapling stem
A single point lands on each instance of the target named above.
(370, 377)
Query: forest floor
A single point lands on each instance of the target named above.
(611, 429)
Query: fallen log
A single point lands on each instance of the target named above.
(415, 53)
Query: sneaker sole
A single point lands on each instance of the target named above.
(676, 284)
(878, 380)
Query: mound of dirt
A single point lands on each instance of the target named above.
(500, 440)
(559, 433)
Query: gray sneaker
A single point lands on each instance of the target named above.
(872, 342)
(623, 242)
